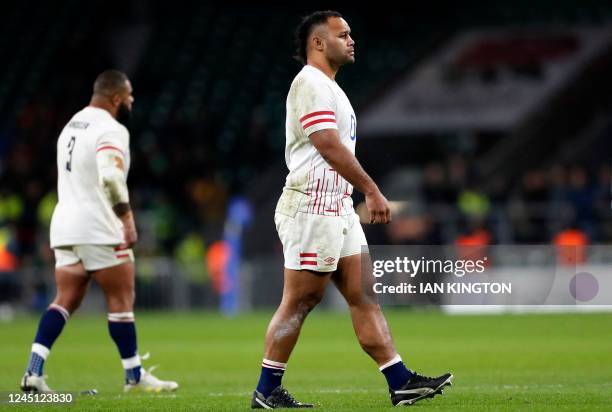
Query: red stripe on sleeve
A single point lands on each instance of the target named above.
(109, 148)
(313, 114)
(307, 125)
(308, 255)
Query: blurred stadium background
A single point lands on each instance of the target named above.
(490, 123)
(486, 122)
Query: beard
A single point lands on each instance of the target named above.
(123, 114)
(348, 59)
(340, 59)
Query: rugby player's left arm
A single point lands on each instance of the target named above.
(110, 160)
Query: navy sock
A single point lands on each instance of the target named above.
(123, 331)
(49, 328)
(51, 324)
(396, 373)
(271, 376)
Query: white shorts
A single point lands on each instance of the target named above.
(93, 257)
(316, 242)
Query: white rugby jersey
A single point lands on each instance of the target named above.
(83, 214)
(315, 102)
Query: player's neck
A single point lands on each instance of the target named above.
(102, 104)
(325, 67)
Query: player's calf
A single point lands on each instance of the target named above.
(122, 329)
(49, 328)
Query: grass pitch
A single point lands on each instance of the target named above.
(547, 362)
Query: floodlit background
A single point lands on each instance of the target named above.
(486, 123)
(489, 124)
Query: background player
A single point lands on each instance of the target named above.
(93, 230)
(321, 234)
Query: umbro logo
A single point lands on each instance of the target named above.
(330, 260)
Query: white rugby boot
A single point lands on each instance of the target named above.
(34, 383)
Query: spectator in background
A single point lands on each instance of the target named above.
(603, 203)
(457, 175)
(474, 240)
(535, 188)
(413, 225)
(9, 287)
(472, 201)
(190, 254)
(571, 245)
(535, 196)
(474, 232)
(435, 186)
(581, 197)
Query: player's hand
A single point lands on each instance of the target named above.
(130, 236)
(378, 208)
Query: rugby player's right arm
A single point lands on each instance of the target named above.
(110, 161)
(340, 158)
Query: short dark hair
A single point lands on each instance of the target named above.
(304, 29)
(109, 82)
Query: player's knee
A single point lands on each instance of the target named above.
(69, 301)
(310, 300)
(70, 305)
(121, 303)
(302, 303)
(354, 299)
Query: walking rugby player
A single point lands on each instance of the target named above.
(321, 234)
(93, 231)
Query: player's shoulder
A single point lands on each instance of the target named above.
(121, 129)
(309, 78)
(102, 122)
(312, 74)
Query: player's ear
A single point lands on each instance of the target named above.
(317, 43)
(116, 100)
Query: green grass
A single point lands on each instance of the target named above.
(501, 363)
